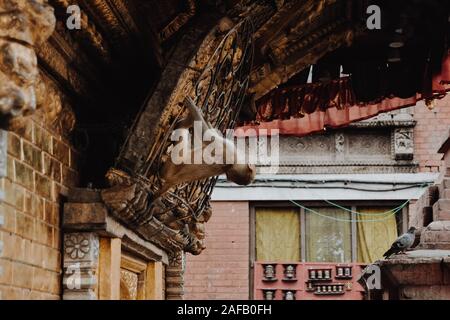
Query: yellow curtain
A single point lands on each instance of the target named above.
(374, 238)
(277, 234)
(327, 239)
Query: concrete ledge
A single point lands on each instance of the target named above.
(428, 254)
(418, 268)
(329, 187)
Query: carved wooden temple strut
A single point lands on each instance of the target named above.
(175, 220)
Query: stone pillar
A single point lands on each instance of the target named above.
(22, 27)
(80, 266)
(155, 278)
(175, 278)
(97, 273)
(109, 269)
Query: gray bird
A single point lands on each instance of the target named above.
(402, 243)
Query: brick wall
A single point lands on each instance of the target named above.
(432, 126)
(40, 168)
(222, 270)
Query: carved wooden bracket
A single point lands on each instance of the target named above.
(178, 216)
(24, 24)
(175, 222)
(154, 221)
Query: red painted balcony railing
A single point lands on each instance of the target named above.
(307, 281)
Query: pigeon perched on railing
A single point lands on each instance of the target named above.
(402, 243)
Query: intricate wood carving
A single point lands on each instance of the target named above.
(53, 107)
(24, 24)
(118, 26)
(219, 90)
(128, 285)
(88, 32)
(297, 36)
(179, 21)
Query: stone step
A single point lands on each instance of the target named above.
(436, 246)
(441, 210)
(446, 183)
(436, 237)
(442, 204)
(442, 192)
(441, 215)
(445, 193)
(447, 172)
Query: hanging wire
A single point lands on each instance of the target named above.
(367, 213)
(393, 212)
(386, 214)
(363, 213)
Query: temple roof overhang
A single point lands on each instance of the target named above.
(118, 55)
(118, 80)
(335, 70)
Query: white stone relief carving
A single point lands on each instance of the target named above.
(404, 143)
(80, 266)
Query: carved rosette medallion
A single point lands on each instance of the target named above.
(80, 266)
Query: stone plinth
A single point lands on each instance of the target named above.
(436, 236)
(418, 275)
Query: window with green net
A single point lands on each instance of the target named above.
(328, 235)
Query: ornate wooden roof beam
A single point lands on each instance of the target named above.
(298, 36)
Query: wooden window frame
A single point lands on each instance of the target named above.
(151, 276)
(139, 267)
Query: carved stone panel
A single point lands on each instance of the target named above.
(134, 280)
(404, 143)
(80, 266)
(175, 277)
(129, 282)
(317, 147)
(364, 149)
(370, 144)
(339, 145)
